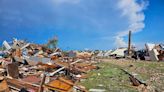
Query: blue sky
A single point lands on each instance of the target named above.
(80, 24)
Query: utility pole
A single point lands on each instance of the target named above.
(129, 43)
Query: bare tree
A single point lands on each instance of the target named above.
(52, 43)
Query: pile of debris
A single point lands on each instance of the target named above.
(27, 67)
(156, 51)
(153, 52)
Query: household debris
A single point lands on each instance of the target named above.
(135, 81)
(152, 52)
(28, 67)
(155, 51)
(118, 53)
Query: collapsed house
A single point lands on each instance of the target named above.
(107, 53)
(118, 53)
(104, 53)
(155, 51)
(27, 67)
(100, 54)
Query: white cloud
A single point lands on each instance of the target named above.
(134, 12)
(119, 41)
(98, 20)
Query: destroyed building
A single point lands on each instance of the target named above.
(155, 51)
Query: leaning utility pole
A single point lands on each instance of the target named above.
(129, 43)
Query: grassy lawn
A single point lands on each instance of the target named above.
(112, 79)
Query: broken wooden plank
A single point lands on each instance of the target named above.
(4, 87)
(12, 70)
(135, 81)
(53, 73)
(15, 83)
(41, 84)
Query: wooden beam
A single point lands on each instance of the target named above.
(53, 73)
(129, 43)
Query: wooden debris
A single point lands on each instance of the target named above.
(12, 70)
(3, 86)
(135, 81)
(41, 84)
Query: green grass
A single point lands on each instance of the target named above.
(112, 79)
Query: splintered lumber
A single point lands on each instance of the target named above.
(58, 85)
(3, 86)
(53, 73)
(21, 84)
(72, 84)
(135, 81)
(41, 84)
(25, 46)
(66, 81)
(84, 67)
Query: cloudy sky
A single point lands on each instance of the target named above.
(80, 24)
